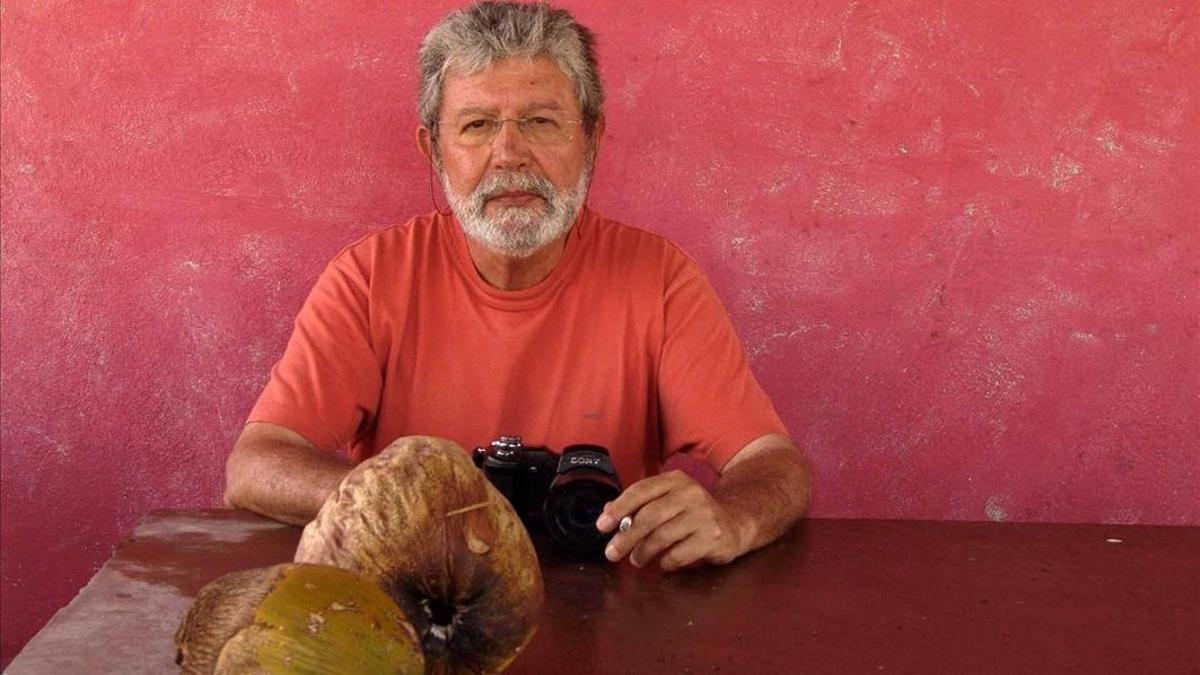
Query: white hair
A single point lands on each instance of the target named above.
(474, 38)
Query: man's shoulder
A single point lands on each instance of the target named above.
(624, 242)
(379, 250)
(415, 231)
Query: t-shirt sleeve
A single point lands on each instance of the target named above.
(327, 385)
(711, 405)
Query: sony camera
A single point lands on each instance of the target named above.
(564, 493)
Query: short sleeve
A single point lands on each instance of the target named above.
(710, 403)
(327, 385)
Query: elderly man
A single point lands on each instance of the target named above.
(525, 312)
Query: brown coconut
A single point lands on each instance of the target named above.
(303, 619)
(424, 523)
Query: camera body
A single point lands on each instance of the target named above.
(564, 493)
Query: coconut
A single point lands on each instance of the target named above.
(296, 618)
(424, 524)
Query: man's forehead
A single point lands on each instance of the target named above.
(532, 106)
(537, 81)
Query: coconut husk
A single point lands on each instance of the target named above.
(422, 522)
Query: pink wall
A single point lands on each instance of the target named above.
(959, 239)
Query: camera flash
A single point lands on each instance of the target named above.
(626, 523)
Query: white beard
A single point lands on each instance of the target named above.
(517, 231)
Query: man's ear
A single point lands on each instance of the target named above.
(597, 134)
(428, 146)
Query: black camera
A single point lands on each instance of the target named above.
(564, 493)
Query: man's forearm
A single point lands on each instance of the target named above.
(276, 473)
(765, 492)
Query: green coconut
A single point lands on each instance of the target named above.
(296, 618)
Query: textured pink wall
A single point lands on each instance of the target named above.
(959, 239)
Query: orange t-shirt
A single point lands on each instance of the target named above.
(624, 345)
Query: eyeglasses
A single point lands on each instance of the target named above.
(539, 130)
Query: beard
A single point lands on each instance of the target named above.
(518, 231)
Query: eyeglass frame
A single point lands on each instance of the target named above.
(520, 121)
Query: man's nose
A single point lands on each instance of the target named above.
(510, 148)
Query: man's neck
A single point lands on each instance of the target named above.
(513, 274)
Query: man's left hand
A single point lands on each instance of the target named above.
(675, 519)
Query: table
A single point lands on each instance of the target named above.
(833, 596)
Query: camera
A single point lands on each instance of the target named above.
(565, 492)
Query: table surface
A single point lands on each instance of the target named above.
(833, 596)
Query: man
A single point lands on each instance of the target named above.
(525, 313)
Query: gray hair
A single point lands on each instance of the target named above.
(474, 38)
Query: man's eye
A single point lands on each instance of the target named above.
(475, 126)
(544, 122)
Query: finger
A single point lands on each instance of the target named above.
(665, 536)
(648, 520)
(707, 543)
(635, 497)
(606, 522)
(686, 553)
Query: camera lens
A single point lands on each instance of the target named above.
(572, 509)
(584, 482)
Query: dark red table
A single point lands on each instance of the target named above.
(835, 596)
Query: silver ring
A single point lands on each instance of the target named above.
(626, 523)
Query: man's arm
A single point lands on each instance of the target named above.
(278, 473)
(763, 490)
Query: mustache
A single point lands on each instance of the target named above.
(507, 181)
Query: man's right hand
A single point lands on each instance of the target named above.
(276, 472)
